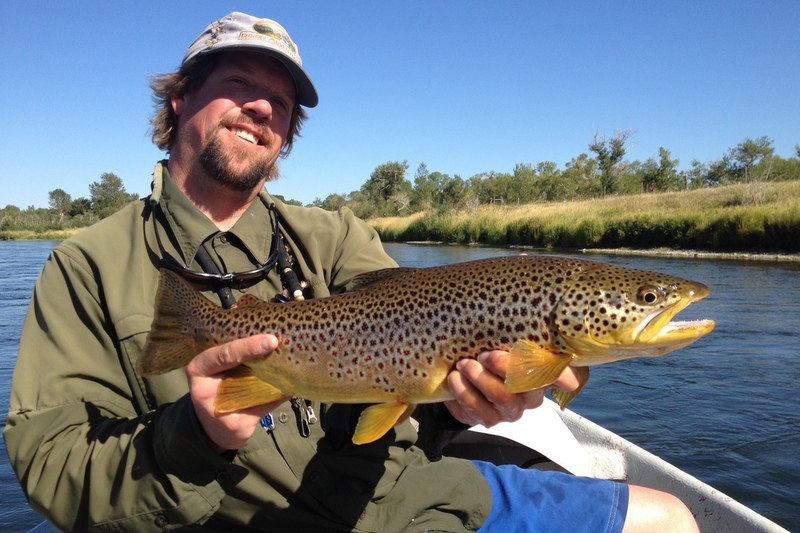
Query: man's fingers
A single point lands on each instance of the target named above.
(568, 380)
(230, 355)
(495, 362)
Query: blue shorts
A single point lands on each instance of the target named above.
(542, 501)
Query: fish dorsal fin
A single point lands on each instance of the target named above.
(248, 300)
(377, 276)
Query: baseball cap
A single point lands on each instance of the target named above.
(240, 31)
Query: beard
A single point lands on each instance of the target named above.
(216, 161)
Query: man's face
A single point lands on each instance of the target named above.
(235, 124)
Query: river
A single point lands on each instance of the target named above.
(725, 409)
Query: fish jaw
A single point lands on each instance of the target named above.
(632, 319)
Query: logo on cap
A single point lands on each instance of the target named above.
(267, 30)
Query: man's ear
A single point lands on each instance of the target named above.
(178, 104)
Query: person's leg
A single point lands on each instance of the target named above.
(533, 500)
(653, 510)
(529, 500)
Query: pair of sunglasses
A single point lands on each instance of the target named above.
(227, 278)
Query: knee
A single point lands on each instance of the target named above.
(653, 510)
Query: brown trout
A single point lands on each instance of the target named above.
(393, 340)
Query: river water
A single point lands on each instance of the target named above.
(725, 409)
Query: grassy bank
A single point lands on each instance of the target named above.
(760, 217)
(31, 235)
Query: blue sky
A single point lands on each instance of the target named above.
(465, 87)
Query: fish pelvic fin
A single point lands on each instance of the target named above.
(376, 420)
(241, 388)
(172, 343)
(561, 397)
(532, 367)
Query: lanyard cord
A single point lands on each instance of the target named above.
(223, 291)
(289, 278)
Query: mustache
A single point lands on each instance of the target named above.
(259, 125)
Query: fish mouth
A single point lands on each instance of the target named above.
(678, 334)
(657, 327)
(656, 335)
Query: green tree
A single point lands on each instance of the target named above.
(388, 189)
(425, 189)
(455, 193)
(661, 175)
(582, 177)
(332, 202)
(522, 187)
(108, 195)
(609, 158)
(79, 206)
(551, 183)
(749, 154)
(59, 202)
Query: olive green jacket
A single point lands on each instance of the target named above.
(97, 447)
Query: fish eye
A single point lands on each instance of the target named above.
(649, 295)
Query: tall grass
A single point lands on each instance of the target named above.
(762, 217)
(38, 235)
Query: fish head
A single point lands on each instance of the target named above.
(610, 313)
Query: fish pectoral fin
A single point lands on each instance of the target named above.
(561, 397)
(532, 367)
(241, 388)
(376, 420)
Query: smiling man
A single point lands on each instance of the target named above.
(99, 447)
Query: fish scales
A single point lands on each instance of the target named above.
(396, 337)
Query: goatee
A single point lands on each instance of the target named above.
(216, 162)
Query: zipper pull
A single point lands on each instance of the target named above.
(299, 406)
(312, 416)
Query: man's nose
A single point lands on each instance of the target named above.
(259, 109)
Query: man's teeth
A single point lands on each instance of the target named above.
(246, 135)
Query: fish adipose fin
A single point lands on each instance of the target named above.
(561, 397)
(241, 388)
(532, 367)
(377, 419)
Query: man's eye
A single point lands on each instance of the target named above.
(280, 103)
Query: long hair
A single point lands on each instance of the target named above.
(188, 79)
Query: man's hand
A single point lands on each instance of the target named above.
(481, 396)
(228, 431)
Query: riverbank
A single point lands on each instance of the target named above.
(756, 221)
(755, 218)
(31, 235)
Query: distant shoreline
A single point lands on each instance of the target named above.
(651, 252)
(665, 252)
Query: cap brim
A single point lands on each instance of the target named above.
(306, 92)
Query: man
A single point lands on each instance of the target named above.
(97, 446)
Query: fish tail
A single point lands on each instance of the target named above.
(563, 398)
(532, 367)
(178, 332)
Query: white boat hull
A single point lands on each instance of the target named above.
(577, 445)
